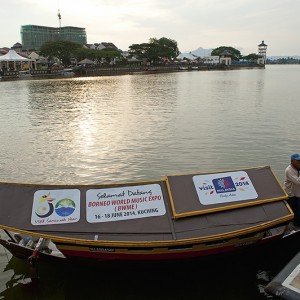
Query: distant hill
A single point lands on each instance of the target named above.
(200, 52)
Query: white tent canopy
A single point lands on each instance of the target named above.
(189, 56)
(86, 61)
(12, 56)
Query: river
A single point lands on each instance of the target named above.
(142, 127)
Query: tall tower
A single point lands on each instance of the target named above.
(262, 52)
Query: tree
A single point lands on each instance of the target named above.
(167, 48)
(63, 50)
(140, 51)
(251, 57)
(156, 50)
(235, 54)
(106, 54)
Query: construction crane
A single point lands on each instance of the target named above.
(59, 19)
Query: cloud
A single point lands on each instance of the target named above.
(192, 23)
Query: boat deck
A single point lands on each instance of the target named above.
(177, 210)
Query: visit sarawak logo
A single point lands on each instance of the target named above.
(224, 187)
(55, 207)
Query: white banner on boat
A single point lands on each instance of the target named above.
(55, 207)
(124, 203)
(224, 187)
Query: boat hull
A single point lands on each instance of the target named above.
(24, 252)
(178, 217)
(69, 251)
(185, 251)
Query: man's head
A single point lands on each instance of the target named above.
(295, 160)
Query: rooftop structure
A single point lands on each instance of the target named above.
(101, 46)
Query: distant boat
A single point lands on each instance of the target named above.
(68, 72)
(24, 73)
(178, 217)
(151, 69)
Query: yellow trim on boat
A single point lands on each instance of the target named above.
(167, 243)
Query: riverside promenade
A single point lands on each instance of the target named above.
(114, 70)
(86, 71)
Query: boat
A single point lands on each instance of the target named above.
(24, 73)
(286, 284)
(68, 72)
(183, 68)
(179, 217)
(151, 69)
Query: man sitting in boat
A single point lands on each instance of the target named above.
(292, 187)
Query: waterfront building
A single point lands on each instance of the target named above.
(12, 61)
(262, 53)
(211, 59)
(225, 58)
(34, 36)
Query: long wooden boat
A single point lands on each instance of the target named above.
(177, 217)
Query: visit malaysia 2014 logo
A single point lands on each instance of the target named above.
(224, 187)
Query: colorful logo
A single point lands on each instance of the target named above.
(224, 185)
(55, 207)
(45, 207)
(65, 207)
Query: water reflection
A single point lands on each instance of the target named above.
(18, 278)
(19, 285)
(142, 127)
(230, 276)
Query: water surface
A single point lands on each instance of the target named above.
(139, 128)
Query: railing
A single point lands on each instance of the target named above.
(10, 74)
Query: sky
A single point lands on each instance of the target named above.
(242, 24)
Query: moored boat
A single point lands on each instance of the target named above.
(24, 73)
(68, 72)
(178, 217)
(151, 69)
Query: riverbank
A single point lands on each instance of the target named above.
(159, 69)
(114, 70)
